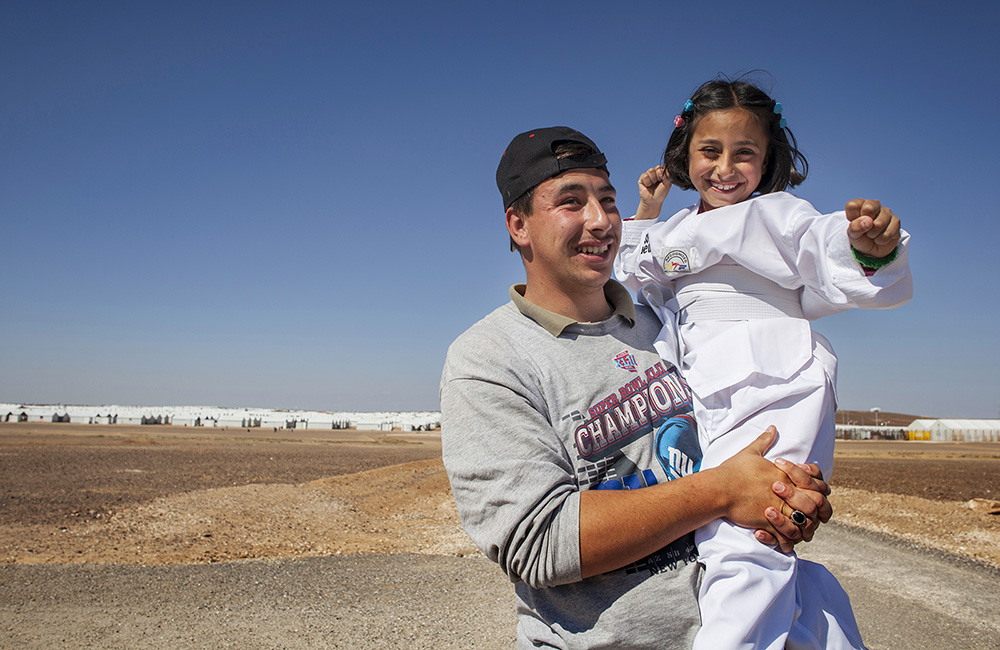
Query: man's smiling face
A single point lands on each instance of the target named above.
(573, 231)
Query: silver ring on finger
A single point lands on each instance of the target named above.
(798, 518)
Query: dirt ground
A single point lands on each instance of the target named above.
(942, 495)
(164, 495)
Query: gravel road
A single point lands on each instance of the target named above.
(903, 597)
(364, 602)
(907, 597)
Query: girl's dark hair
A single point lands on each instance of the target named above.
(786, 166)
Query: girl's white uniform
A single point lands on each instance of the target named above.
(735, 288)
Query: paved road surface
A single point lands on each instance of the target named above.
(904, 598)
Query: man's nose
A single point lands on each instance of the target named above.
(597, 215)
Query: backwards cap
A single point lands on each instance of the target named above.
(530, 159)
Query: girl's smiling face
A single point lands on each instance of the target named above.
(727, 156)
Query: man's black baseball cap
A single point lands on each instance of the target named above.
(530, 159)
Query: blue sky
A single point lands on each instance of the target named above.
(292, 205)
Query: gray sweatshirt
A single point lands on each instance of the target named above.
(536, 408)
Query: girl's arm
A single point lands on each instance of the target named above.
(864, 265)
(785, 239)
(635, 263)
(654, 185)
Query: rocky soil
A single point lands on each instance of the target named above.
(168, 495)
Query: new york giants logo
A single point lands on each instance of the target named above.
(677, 446)
(626, 361)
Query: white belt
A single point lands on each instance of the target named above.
(731, 292)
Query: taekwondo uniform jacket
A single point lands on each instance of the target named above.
(737, 285)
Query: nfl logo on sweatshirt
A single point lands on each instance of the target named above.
(626, 361)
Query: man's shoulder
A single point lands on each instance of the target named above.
(646, 319)
(497, 328)
(495, 321)
(494, 349)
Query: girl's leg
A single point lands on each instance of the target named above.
(753, 596)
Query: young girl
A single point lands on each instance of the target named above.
(735, 279)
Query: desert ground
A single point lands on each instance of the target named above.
(154, 495)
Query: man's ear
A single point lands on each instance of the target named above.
(516, 226)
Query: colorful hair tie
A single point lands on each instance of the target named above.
(777, 111)
(688, 105)
(678, 122)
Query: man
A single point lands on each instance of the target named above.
(553, 407)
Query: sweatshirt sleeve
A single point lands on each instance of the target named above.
(511, 477)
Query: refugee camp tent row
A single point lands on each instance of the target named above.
(200, 416)
(869, 432)
(954, 430)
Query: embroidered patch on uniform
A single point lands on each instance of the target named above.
(676, 260)
(626, 361)
(645, 245)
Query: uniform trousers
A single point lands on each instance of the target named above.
(752, 596)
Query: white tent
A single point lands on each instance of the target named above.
(920, 429)
(373, 423)
(955, 430)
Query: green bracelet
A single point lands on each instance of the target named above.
(870, 262)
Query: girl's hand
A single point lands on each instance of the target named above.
(873, 229)
(654, 185)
